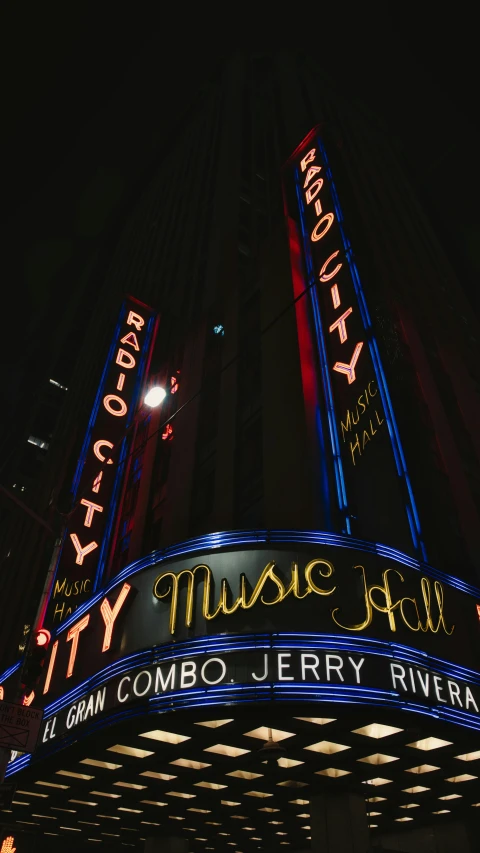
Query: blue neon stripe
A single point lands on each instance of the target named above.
(240, 694)
(11, 669)
(393, 430)
(324, 367)
(96, 405)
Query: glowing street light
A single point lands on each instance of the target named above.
(154, 397)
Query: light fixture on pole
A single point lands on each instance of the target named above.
(154, 397)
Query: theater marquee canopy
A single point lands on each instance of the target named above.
(352, 653)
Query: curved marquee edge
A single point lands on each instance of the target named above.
(224, 643)
(246, 694)
(229, 539)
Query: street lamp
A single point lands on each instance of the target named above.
(154, 397)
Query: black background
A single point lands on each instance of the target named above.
(91, 96)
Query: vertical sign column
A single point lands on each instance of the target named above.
(375, 498)
(100, 467)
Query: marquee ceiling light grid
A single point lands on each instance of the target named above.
(218, 793)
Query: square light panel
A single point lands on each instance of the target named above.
(318, 721)
(130, 750)
(464, 777)
(417, 789)
(164, 737)
(332, 772)
(244, 774)
(224, 749)
(190, 764)
(422, 768)
(74, 775)
(165, 777)
(378, 758)
(469, 756)
(264, 733)
(327, 747)
(376, 730)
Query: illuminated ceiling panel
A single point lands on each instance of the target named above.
(74, 775)
(264, 733)
(106, 765)
(130, 750)
(105, 794)
(422, 768)
(164, 737)
(428, 743)
(376, 730)
(469, 756)
(417, 789)
(224, 749)
(333, 772)
(244, 774)
(180, 794)
(165, 777)
(464, 777)
(327, 747)
(190, 764)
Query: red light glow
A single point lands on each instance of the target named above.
(51, 664)
(42, 637)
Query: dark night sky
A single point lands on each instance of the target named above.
(66, 67)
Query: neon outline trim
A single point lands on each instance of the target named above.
(110, 614)
(397, 447)
(74, 635)
(82, 552)
(340, 324)
(349, 369)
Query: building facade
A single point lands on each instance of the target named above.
(282, 560)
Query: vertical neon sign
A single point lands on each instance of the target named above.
(374, 494)
(101, 464)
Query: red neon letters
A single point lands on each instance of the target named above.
(74, 636)
(324, 223)
(109, 616)
(116, 406)
(51, 664)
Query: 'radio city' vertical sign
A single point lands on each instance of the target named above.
(370, 477)
(101, 464)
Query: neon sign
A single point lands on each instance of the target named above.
(331, 671)
(366, 465)
(404, 608)
(101, 465)
(340, 591)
